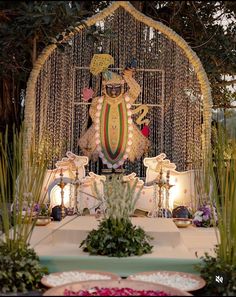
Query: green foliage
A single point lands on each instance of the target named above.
(220, 185)
(21, 181)
(209, 28)
(42, 210)
(117, 238)
(219, 177)
(20, 270)
(25, 25)
(26, 28)
(213, 266)
(120, 196)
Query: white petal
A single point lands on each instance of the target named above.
(130, 142)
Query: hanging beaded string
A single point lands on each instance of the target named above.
(175, 129)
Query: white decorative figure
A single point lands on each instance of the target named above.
(183, 190)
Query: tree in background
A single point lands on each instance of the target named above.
(26, 28)
(209, 27)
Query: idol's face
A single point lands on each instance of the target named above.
(113, 90)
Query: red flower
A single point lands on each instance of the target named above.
(145, 131)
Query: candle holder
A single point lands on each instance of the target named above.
(62, 185)
(77, 184)
(70, 209)
(163, 186)
(154, 212)
(168, 186)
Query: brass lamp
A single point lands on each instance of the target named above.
(62, 185)
(77, 183)
(163, 185)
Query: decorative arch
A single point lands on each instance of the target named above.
(53, 96)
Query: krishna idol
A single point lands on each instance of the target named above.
(113, 136)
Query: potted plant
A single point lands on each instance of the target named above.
(219, 173)
(21, 183)
(116, 236)
(42, 214)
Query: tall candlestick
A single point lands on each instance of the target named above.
(77, 183)
(62, 186)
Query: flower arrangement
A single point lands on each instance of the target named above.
(42, 210)
(116, 236)
(32, 209)
(205, 216)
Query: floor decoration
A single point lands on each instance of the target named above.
(61, 278)
(115, 288)
(179, 280)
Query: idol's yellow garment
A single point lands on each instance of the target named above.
(113, 136)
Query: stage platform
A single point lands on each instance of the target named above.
(57, 244)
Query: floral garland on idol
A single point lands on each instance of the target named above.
(99, 135)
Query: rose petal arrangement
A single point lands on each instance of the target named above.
(114, 292)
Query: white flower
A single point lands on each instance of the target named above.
(199, 213)
(198, 218)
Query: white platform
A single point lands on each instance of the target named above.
(63, 238)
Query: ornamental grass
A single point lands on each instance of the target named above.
(219, 174)
(21, 182)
